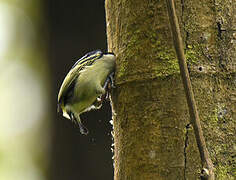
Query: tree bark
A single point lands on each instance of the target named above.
(152, 135)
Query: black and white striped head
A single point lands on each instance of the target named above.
(91, 56)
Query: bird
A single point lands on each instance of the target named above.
(86, 86)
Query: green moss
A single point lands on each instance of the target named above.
(192, 57)
(213, 118)
(223, 173)
(155, 52)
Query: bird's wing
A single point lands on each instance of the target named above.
(68, 83)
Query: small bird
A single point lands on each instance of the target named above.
(86, 86)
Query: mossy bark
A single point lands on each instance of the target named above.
(152, 135)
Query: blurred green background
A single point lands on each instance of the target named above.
(39, 42)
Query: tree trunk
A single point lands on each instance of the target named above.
(152, 135)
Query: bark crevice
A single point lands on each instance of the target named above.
(185, 148)
(186, 33)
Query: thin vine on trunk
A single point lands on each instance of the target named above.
(207, 166)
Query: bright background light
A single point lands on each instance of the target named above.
(24, 109)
